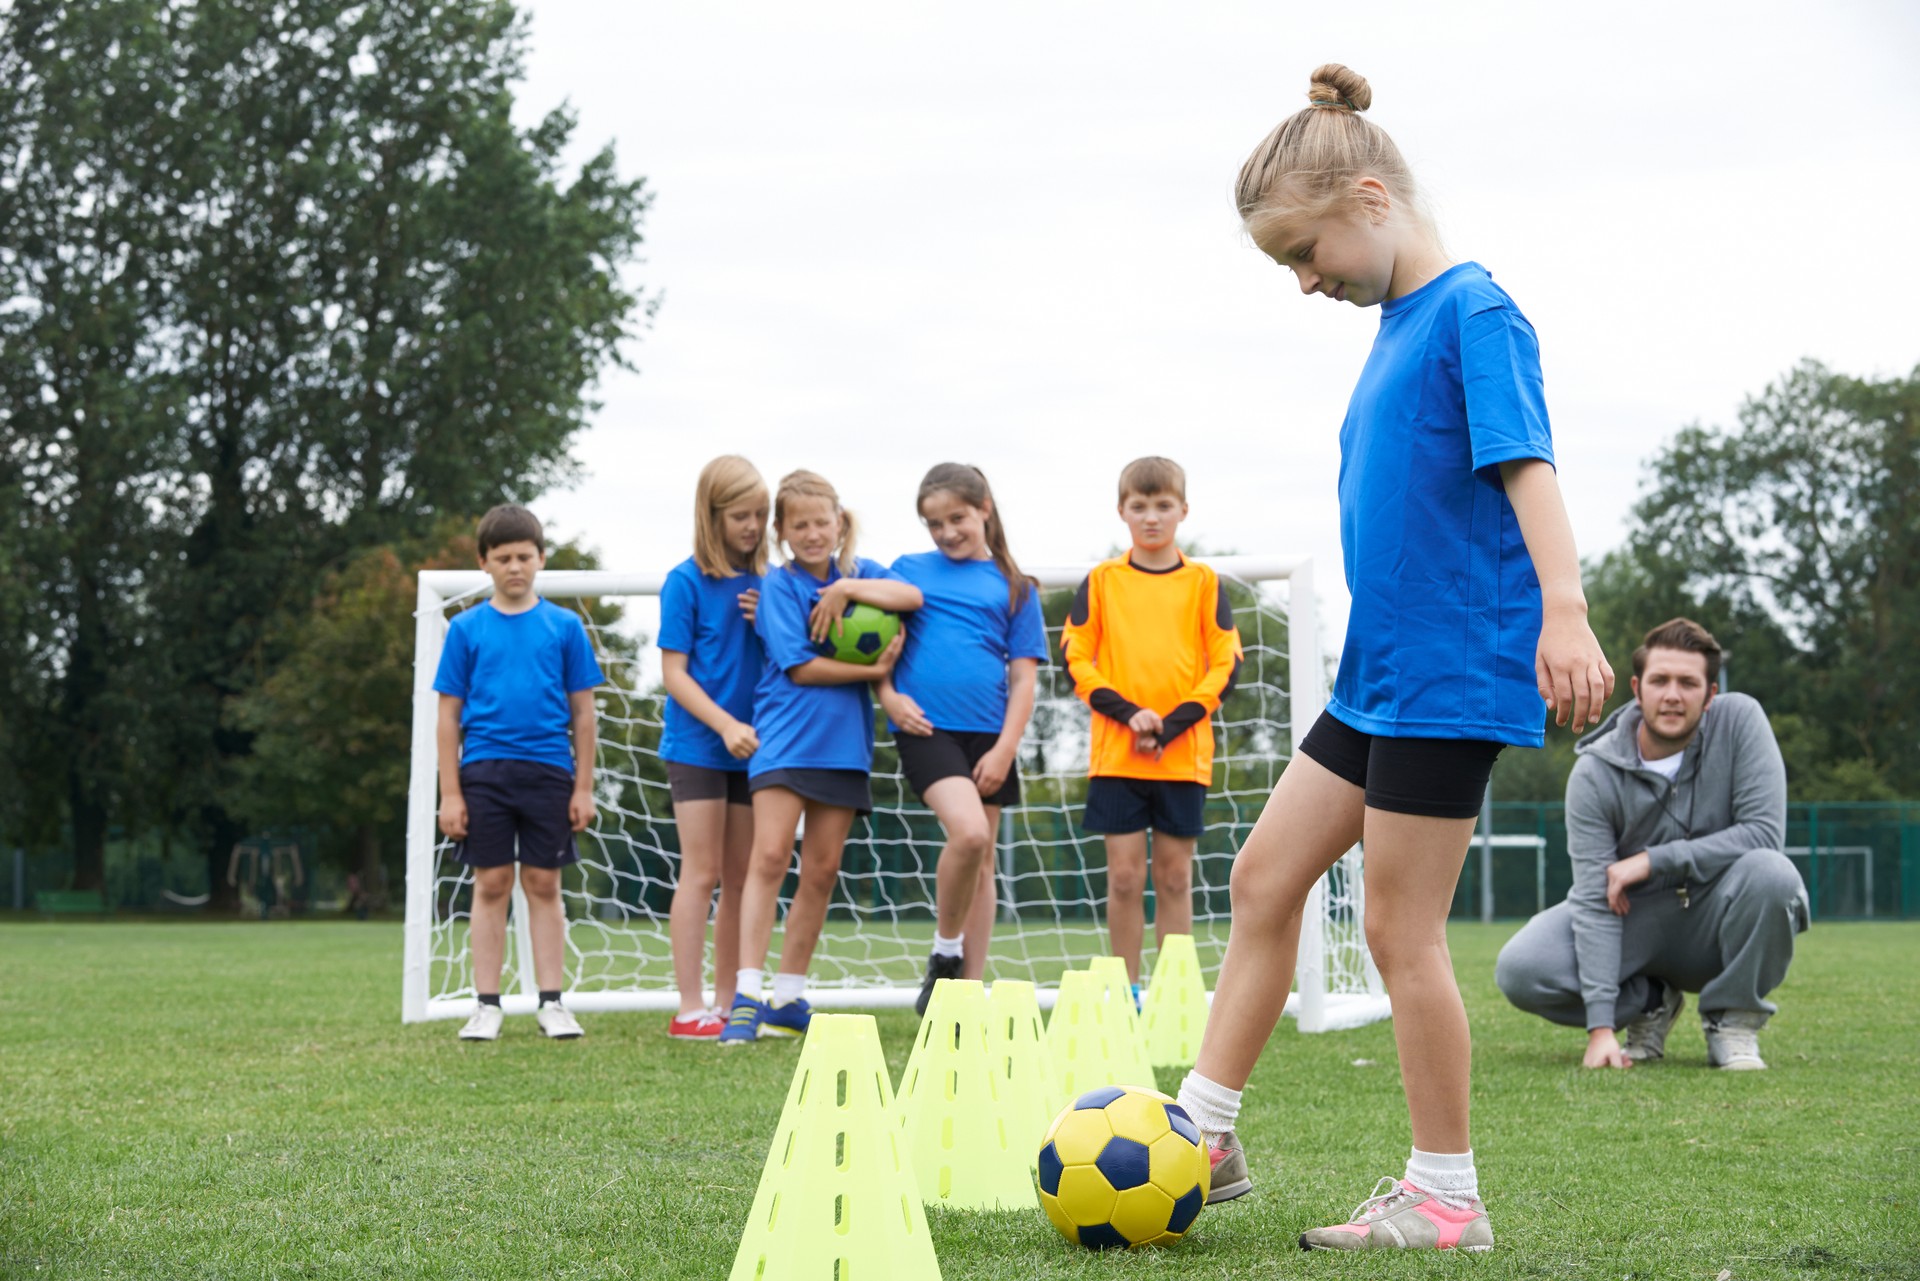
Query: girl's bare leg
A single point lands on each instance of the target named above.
(776, 815)
(956, 803)
(735, 856)
(703, 828)
(986, 905)
(820, 850)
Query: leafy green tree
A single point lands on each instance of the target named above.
(281, 280)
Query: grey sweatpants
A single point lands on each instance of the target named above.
(1732, 945)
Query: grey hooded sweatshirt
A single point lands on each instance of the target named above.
(1729, 797)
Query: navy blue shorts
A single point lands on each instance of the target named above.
(1116, 806)
(849, 789)
(1428, 777)
(516, 809)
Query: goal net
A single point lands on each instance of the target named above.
(1051, 883)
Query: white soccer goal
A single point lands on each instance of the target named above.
(1051, 881)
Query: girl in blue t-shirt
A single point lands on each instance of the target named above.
(959, 701)
(710, 659)
(1468, 622)
(814, 716)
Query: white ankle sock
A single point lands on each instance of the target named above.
(944, 946)
(788, 987)
(1213, 1107)
(748, 983)
(1447, 1177)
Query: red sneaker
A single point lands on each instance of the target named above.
(703, 1025)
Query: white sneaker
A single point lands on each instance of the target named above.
(484, 1025)
(556, 1022)
(1733, 1040)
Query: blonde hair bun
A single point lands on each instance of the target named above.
(1335, 85)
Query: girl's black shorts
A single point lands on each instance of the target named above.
(703, 783)
(951, 753)
(1430, 777)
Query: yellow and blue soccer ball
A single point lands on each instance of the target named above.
(1123, 1166)
(865, 630)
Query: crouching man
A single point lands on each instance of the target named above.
(1676, 815)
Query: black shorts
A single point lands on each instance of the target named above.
(1117, 806)
(850, 789)
(704, 783)
(516, 809)
(1430, 777)
(952, 753)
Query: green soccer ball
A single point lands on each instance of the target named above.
(865, 631)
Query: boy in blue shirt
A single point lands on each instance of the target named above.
(516, 675)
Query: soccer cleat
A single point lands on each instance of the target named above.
(938, 967)
(789, 1018)
(1646, 1036)
(484, 1025)
(557, 1022)
(1230, 1178)
(743, 1021)
(701, 1025)
(1733, 1040)
(1404, 1218)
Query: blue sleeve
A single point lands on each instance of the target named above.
(581, 671)
(1027, 629)
(864, 568)
(679, 613)
(1506, 397)
(781, 621)
(456, 665)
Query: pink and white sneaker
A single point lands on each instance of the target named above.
(1404, 1218)
(701, 1025)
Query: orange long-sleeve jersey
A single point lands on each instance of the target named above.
(1157, 639)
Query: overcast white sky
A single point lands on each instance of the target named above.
(1002, 233)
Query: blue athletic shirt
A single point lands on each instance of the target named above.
(960, 642)
(700, 617)
(1446, 605)
(513, 673)
(806, 726)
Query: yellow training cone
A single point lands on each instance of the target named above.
(1022, 1067)
(837, 1201)
(1173, 1015)
(1080, 1042)
(953, 1126)
(1116, 989)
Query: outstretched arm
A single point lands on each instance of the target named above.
(1574, 676)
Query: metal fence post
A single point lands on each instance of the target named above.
(19, 879)
(1486, 857)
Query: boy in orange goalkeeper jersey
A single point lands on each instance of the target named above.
(1152, 647)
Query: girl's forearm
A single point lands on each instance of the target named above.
(686, 691)
(885, 593)
(1022, 677)
(831, 671)
(1534, 491)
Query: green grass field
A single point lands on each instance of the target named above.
(242, 1101)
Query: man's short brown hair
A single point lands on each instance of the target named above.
(1153, 475)
(1682, 634)
(509, 524)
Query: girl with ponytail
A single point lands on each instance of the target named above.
(959, 699)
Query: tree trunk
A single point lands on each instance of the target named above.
(373, 883)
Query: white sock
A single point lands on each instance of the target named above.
(748, 983)
(944, 946)
(1213, 1107)
(788, 987)
(1447, 1177)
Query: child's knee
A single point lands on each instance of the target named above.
(970, 841)
(1126, 880)
(819, 874)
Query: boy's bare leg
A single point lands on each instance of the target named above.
(986, 905)
(1313, 817)
(487, 927)
(1126, 897)
(1172, 868)
(820, 850)
(1413, 864)
(776, 815)
(703, 835)
(547, 924)
(956, 803)
(736, 854)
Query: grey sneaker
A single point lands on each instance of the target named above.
(1646, 1036)
(484, 1025)
(1404, 1218)
(557, 1021)
(1229, 1168)
(1733, 1039)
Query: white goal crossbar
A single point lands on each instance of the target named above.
(617, 931)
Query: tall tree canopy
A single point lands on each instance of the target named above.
(1795, 538)
(279, 279)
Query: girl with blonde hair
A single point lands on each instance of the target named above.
(1468, 623)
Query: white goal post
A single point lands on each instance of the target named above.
(1051, 882)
